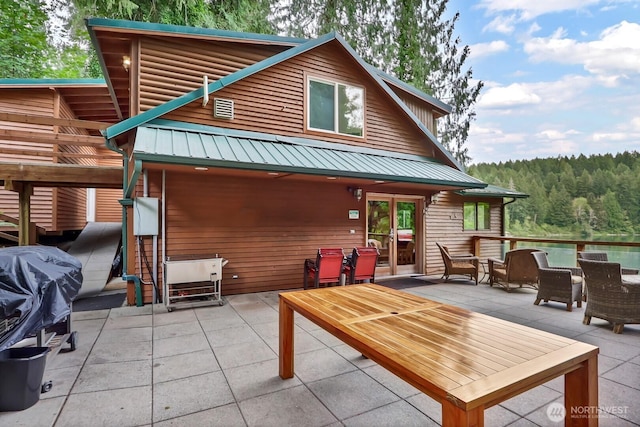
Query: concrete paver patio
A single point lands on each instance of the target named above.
(218, 366)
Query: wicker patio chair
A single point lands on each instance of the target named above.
(560, 284)
(602, 256)
(518, 268)
(609, 297)
(466, 264)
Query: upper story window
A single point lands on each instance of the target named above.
(335, 107)
(476, 216)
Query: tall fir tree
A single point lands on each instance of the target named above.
(23, 39)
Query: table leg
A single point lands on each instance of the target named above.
(581, 394)
(452, 416)
(286, 340)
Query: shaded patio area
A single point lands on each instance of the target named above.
(139, 366)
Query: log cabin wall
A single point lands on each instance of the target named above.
(36, 102)
(445, 224)
(272, 101)
(164, 76)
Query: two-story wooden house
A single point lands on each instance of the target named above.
(261, 149)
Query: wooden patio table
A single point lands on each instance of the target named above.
(465, 360)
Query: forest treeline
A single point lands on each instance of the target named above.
(598, 194)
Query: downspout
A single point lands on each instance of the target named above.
(126, 201)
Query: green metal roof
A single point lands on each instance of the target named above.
(225, 148)
(137, 26)
(154, 113)
(492, 191)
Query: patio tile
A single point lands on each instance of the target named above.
(230, 319)
(295, 406)
(125, 335)
(353, 356)
(123, 407)
(62, 380)
(180, 345)
(611, 348)
(241, 354)
(391, 381)
(43, 413)
(163, 317)
(132, 310)
(392, 415)
(184, 365)
(627, 374)
(351, 394)
(185, 396)
(230, 336)
(499, 416)
(108, 376)
(125, 322)
(320, 364)
(257, 379)
(114, 352)
(171, 330)
(530, 400)
(427, 406)
(89, 315)
(256, 312)
(228, 416)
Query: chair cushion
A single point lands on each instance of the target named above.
(576, 280)
(500, 273)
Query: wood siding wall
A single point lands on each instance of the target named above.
(445, 224)
(273, 101)
(108, 209)
(38, 102)
(265, 229)
(169, 69)
(70, 204)
(420, 109)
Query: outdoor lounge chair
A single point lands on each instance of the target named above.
(466, 264)
(327, 268)
(561, 284)
(602, 256)
(362, 265)
(518, 268)
(609, 297)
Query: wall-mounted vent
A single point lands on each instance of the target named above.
(222, 108)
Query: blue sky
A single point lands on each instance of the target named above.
(561, 77)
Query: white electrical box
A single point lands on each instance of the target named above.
(145, 216)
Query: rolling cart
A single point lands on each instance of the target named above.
(193, 282)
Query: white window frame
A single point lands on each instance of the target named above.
(336, 118)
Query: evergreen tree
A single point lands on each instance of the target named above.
(23, 39)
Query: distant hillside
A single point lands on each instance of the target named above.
(596, 194)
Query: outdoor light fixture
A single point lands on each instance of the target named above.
(126, 62)
(357, 192)
(434, 198)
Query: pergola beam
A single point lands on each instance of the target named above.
(43, 120)
(60, 175)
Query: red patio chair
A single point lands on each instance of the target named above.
(362, 265)
(327, 267)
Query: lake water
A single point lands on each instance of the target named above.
(565, 255)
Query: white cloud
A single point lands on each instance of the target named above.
(615, 55)
(528, 10)
(480, 50)
(501, 24)
(556, 135)
(514, 95)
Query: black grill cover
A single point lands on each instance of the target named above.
(37, 286)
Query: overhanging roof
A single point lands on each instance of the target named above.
(493, 191)
(183, 144)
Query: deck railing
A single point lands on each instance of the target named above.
(579, 245)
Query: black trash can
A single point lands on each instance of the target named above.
(21, 372)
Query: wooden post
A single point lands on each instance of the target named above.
(24, 224)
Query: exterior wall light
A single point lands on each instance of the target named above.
(126, 62)
(434, 198)
(357, 192)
